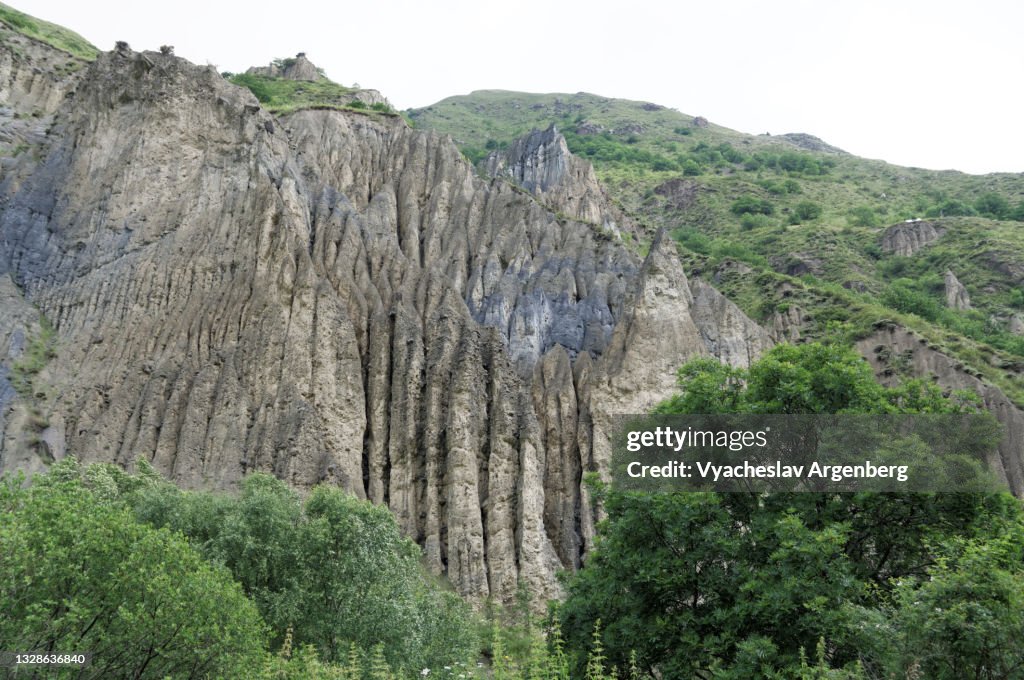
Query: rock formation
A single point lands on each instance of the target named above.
(956, 295)
(918, 358)
(786, 325)
(541, 163)
(906, 238)
(298, 68)
(334, 297)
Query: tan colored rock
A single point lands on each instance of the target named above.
(541, 163)
(956, 294)
(906, 238)
(922, 360)
(342, 301)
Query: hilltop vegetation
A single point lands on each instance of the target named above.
(295, 83)
(279, 95)
(788, 221)
(51, 34)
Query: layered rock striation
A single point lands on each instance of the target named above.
(333, 298)
(541, 163)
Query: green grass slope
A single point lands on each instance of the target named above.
(805, 218)
(51, 34)
(280, 96)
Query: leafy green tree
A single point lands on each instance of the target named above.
(334, 570)
(746, 585)
(1018, 212)
(965, 619)
(753, 205)
(863, 216)
(992, 205)
(807, 211)
(906, 296)
(78, 573)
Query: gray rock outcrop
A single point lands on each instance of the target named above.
(785, 326)
(541, 163)
(906, 238)
(297, 68)
(919, 359)
(343, 301)
(956, 294)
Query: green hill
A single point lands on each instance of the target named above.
(51, 34)
(783, 221)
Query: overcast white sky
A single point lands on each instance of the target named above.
(929, 84)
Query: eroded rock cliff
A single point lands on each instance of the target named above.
(541, 163)
(334, 298)
(895, 351)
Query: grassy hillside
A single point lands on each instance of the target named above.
(279, 95)
(804, 219)
(51, 34)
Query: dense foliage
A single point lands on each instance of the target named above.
(753, 585)
(159, 581)
(78, 574)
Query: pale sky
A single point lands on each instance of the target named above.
(929, 84)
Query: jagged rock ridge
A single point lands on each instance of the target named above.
(541, 163)
(335, 298)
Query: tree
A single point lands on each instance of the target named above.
(78, 573)
(863, 216)
(966, 618)
(741, 585)
(334, 570)
(807, 211)
(752, 205)
(992, 205)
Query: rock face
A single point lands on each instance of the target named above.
(956, 294)
(887, 344)
(786, 325)
(302, 69)
(343, 300)
(680, 194)
(726, 330)
(541, 163)
(299, 68)
(907, 238)
(34, 79)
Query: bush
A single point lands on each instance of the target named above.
(334, 569)
(693, 240)
(807, 211)
(749, 585)
(755, 221)
(691, 168)
(951, 208)
(907, 296)
(1018, 212)
(863, 216)
(752, 205)
(78, 573)
(992, 205)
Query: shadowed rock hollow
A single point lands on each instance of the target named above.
(332, 298)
